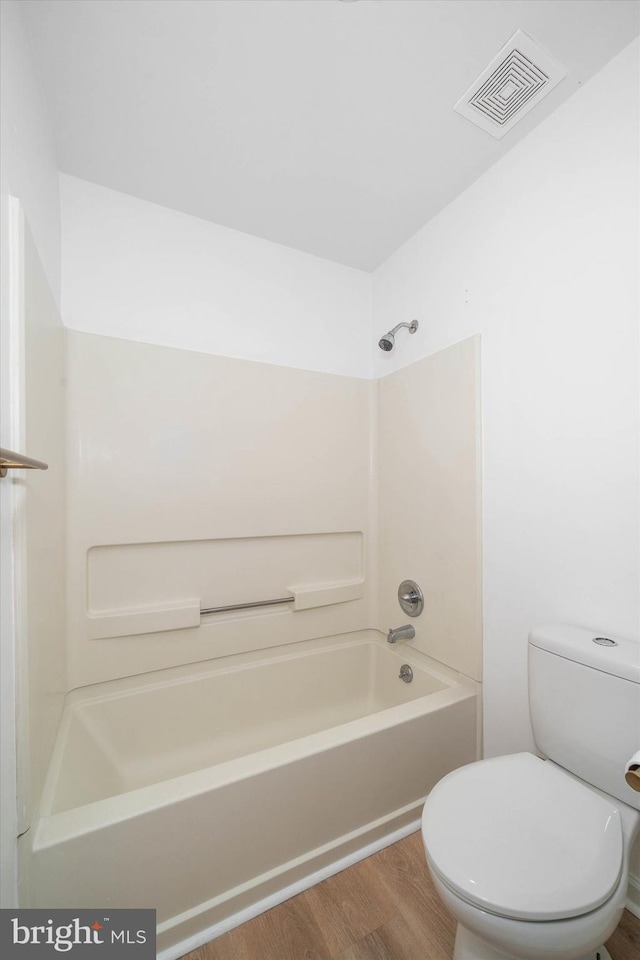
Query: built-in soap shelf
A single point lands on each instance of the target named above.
(155, 619)
(184, 614)
(324, 594)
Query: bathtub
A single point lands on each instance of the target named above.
(212, 792)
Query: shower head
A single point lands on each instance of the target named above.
(387, 341)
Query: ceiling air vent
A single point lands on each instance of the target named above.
(515, 81)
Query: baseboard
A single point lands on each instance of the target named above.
(383, 838)
(633, 896)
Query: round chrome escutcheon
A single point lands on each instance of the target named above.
(411, 598)
(605, 642)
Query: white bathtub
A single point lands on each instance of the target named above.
(214, 791)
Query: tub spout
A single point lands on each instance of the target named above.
(401, 633)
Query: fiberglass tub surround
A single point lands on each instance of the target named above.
(297, 758)
(209, 762)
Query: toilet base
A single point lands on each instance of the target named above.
(469, 947)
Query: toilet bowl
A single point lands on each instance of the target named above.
(535, 866)
(531, 854)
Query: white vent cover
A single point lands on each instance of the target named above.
(515, 81)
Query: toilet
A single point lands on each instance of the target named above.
(530, 855)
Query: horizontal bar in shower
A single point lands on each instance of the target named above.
(245, 606)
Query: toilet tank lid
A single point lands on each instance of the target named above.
(616, 656)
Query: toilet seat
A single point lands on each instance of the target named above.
(517, 837)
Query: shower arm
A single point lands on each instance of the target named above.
(413, 326)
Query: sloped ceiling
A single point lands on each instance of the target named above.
(327, 126)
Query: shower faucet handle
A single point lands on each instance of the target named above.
(411, 598)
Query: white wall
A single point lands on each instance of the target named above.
(139, 271)
(29, 169)
(540, 256)
(28, 172)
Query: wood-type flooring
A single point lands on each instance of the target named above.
(383, 908)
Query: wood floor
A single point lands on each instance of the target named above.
(383, 908)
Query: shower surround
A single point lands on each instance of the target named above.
(226, 759)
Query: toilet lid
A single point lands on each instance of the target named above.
(518, 837)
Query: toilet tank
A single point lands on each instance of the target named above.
(584, 701)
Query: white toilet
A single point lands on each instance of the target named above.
(531, 860)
